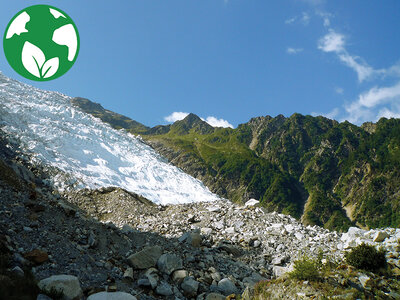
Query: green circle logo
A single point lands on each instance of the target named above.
(41, 42)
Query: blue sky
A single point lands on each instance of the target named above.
(230, 60)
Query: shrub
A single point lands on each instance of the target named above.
(366, 257)
(305, 268)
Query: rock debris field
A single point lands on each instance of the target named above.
(94, 242)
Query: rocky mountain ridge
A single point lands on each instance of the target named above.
(318, 170)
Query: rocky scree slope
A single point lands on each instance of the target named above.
(318, 170)
(93, 241)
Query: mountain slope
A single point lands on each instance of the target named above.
(324, 172)
(82, 151)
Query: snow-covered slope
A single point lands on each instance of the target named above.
(88, 152)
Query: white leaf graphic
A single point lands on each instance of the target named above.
(32, 59)
(50, 67)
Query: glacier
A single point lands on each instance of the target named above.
(87, 152)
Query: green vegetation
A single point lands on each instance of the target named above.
(308, 167)
(366, 257)
(306, 268)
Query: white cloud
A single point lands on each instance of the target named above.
(332, 42)
(339, 90)
(386, 113)
(363, 70)
(330, 115)
(335, 42)
(376, 96)
(375, 103)
(291, 20)
(213, 121)
(175, 116)
(326, 17)
(291, 50)
(305, 18)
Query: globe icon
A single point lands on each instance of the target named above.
(41, 42)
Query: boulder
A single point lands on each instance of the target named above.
(227, 287)
(145, 258)
(164, 289)
(251, 202)
(278, 271)
(190, 287)
(380, 236)
(179, 275)
(111, 296)
(167, 263)
(68, 285)
(37, 256)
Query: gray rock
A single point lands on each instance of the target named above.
(19, 259)
(128, 273)
(68, 285)
(215, 209)
(251, 202)
(111, 296)
(167, 263)
(164, 289)
(215, 296)
(152, 276)
(364, 280)
(278, 271)
(230, 230)
(216, 276)
(146, 258)
(380, 236)
(190, 287)
(206, 230)
(227, 287)
(127, 229)
(183, 237)
(195, 239)
(179, 275)
(277, 260)
(235, 251)
(18, 271)
(144, 282)
(92, 242)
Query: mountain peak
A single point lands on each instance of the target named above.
(193, 123)
(192, 118)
